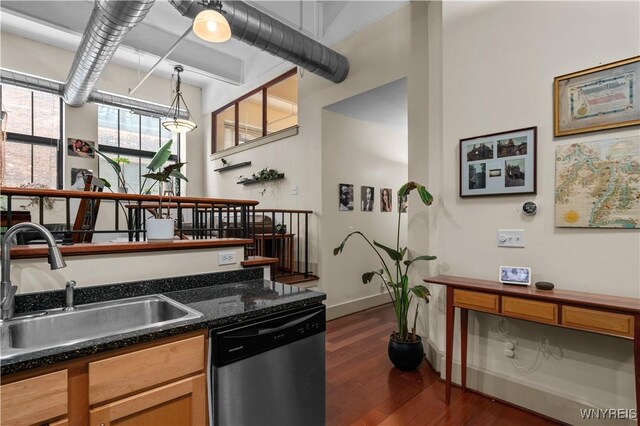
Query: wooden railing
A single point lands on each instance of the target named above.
(210, 217)
(277, 233)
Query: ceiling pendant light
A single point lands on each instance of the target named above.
(210, 24)
(173, 122)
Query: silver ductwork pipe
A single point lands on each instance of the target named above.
(31, 82)
(134, 105)
(258, 29)
(137, 106)
(109, 23)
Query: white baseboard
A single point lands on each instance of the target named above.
(547, 402)
(346, 308)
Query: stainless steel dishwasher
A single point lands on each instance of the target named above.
(270, 372)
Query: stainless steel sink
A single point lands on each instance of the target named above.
(91, 321)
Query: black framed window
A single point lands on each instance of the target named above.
(32, 153)
(271, 108)
(136, 138)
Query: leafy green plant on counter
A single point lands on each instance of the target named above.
(396, 278)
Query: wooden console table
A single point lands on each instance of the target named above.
(596, 313)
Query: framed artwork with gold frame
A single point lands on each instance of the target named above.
(598, 98)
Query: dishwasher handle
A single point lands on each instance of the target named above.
(234, 344)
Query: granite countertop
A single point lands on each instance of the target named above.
(220, 304)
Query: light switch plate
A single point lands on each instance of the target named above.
(294, 189)
(510, 237)
(227, 258)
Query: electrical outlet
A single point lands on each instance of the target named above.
(228, 258)
(294, 189)
(510, 237)
(509, 350)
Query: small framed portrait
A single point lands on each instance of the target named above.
(519, 275)
(81, 148)
(403, 203)
(499, 164)
(385, 200)
(345, 197)
(367, 198)
(79, 177)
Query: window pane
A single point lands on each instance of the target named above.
(225, 129)
(17, 102)
(107, 126)
(149, 133)
(17, 167)
(107, 173)
(46, 115)
(45, 165)
(129, 130)
(282, 105)
(166, 135)
(250, 118)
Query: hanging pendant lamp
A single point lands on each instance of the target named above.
(210, 24)
(173, 122)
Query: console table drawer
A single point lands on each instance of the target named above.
(531, 310)
(598, 321)
(475, 300)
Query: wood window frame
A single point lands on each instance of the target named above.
(235, 104)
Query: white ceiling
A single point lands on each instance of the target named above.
(384, 106)
(62, 22)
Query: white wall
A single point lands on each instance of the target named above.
(378, 55)
(32, 275)
(43, 60)
(359, 153)
(498, 61)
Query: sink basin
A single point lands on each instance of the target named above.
(91, 321)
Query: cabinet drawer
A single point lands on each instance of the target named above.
(531, 310)
(122, 375)
(476, 301)
(35, 400)
(598, 321)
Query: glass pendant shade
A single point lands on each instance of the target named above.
(178, 125)
(211, 26)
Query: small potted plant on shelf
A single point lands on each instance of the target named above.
(405, 346)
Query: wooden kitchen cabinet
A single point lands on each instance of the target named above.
(157, 383)
(35, 400)
(176, 404)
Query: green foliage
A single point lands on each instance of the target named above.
(397, 284)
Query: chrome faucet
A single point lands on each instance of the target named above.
(7, 290)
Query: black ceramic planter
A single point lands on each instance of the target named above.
(406, 356)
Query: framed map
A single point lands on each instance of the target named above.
(603, 97)
(598, 184)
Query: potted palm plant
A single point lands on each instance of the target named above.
(405, 346)
(160, 225)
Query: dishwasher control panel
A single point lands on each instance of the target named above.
(232, 344)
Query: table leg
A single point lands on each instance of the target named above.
(449, 344)
(464, 320)
(636, 357)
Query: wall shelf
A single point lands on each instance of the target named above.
(252, 181)
(232, 166)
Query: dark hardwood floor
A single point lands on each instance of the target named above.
(363, 387)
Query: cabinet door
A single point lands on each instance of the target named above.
(179, 403)
(35, 400)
